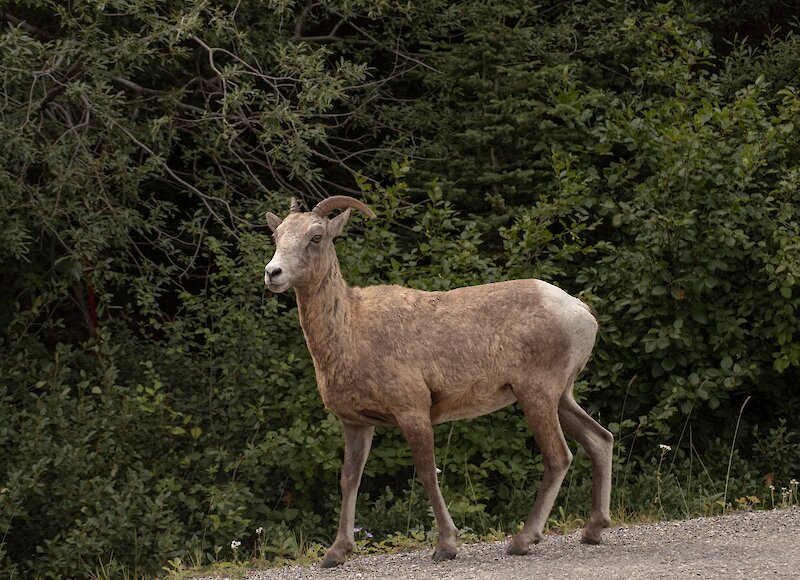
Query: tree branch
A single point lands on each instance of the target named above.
(136, 88)
(29, 28)
(71, 73)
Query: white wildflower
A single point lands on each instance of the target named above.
(665, 448)
(235, 545)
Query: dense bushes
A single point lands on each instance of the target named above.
(156, 402)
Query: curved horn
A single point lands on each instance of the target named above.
(340, 202)
(293, 205)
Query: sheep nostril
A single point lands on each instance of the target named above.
(275, 273)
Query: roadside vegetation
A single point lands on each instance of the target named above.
(158, 409)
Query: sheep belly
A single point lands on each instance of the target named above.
(463, 404)
(468, 403)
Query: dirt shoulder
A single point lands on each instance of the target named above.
(741, 545)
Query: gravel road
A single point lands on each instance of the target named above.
(750, 545)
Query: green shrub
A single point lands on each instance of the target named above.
(157, 403)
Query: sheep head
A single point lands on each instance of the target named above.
(304, 242)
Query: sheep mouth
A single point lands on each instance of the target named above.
(277, 288)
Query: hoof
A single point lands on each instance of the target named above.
(443, 555)
(330, 563)
(520, 544)
(515, 550)
(590, 539)
(337, 554)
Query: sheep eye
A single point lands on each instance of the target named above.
(317, 239)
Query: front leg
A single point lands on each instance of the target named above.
(357, 443)
(417, 430)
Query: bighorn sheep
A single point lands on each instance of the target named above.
(389, 355)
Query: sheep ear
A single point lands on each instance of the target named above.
(273, 221)
(337, 224)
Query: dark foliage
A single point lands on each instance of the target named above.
(156, 402)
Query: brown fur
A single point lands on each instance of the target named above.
(389, 355)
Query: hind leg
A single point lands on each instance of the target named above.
(542, 417)
(598, 443)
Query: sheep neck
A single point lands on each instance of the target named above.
(325, 311)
